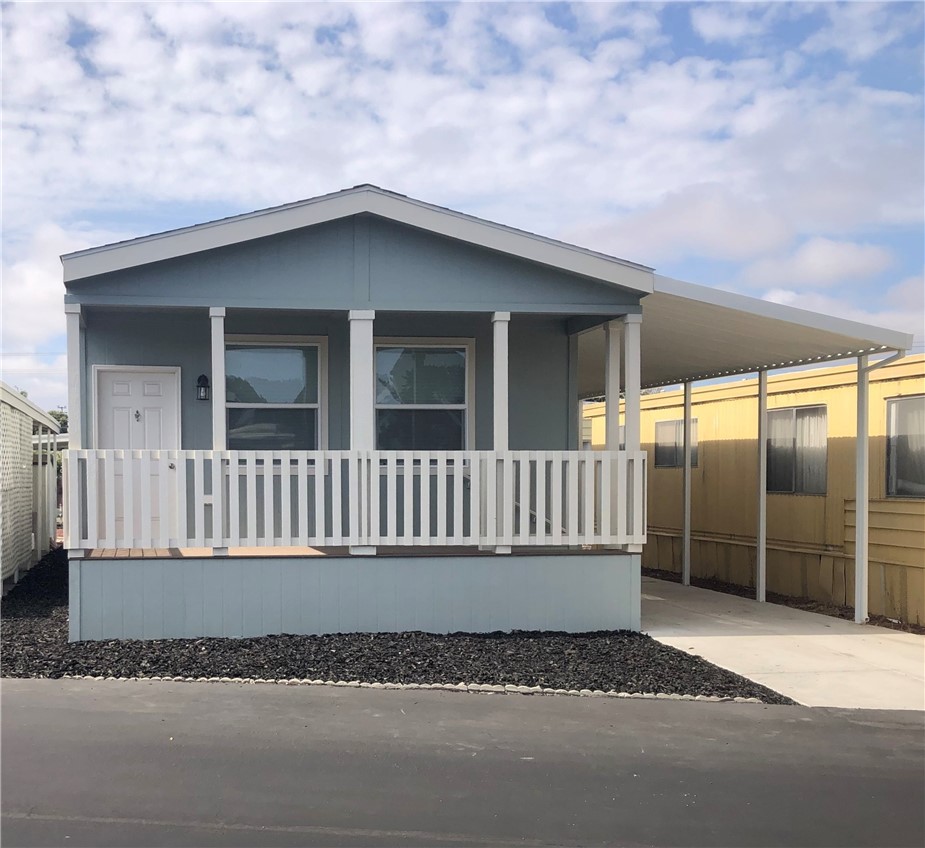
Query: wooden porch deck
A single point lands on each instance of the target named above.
(382, 551)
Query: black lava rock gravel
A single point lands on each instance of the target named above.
(34, 619)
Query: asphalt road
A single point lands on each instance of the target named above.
(145, 763)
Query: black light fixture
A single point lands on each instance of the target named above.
(202, 387)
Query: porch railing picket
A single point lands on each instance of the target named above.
(524, 500)
(181, 484)
(164, 487)
(285, 497)
(134, 498)
(540, 485)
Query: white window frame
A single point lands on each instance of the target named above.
(793, 411)
(678, 443)
(269, 340)
(890, 454)
(468, 407)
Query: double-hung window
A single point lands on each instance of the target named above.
(423, 395)
(669, 444)
(273, 388)
(797, 447)
(905, 447)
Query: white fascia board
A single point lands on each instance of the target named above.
(865, 334)
(307, 213)
(11, 397)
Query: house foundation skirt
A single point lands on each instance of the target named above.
(152, 598)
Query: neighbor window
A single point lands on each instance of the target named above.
(905, 449)
(421, 397)
(669, 444)
(797, 444)
(272, 395)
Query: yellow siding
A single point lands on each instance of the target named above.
(810, 537)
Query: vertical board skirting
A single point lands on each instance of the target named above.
(241, 597)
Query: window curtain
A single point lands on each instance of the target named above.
(810, 459)
(907, 447)
(780, 450)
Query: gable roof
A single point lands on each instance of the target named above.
(355, 201)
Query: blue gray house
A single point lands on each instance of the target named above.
(360, 412)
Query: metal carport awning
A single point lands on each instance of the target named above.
(691, 332)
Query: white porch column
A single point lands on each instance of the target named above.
(632, 378)
(633, 375)
(219, 427)
(500, 323)
(74, 375)
(362, 380)
(612, 340)
(861, 495)
(761, 534)
(500, 392)
(686, 486)
(362, 394)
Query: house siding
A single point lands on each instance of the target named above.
(542, 398)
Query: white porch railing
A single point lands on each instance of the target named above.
(220, 499)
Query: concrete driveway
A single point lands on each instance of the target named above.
(815, 659)
(106, 763)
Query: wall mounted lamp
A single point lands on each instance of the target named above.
(202, 387)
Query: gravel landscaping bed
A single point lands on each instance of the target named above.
(34, 644)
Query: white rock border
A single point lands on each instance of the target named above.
(477, 688)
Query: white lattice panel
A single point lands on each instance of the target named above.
(15, 489)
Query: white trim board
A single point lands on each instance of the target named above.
(343, 204)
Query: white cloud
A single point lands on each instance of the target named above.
(899, 308)
(593, 130)
(702, 220)
(820, 262)
(862, 30)
(32, 320)
(729, 21)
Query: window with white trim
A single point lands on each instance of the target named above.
(797, 448)
(422, 396)
(273, 393)
(905, 447)
(669, 444)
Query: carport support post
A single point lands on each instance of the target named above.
(761, 534)
(686, 484)
(862, 483)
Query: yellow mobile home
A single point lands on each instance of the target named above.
(810, 483)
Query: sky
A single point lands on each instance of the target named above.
(772, 149)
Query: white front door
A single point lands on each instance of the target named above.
(138, 409)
